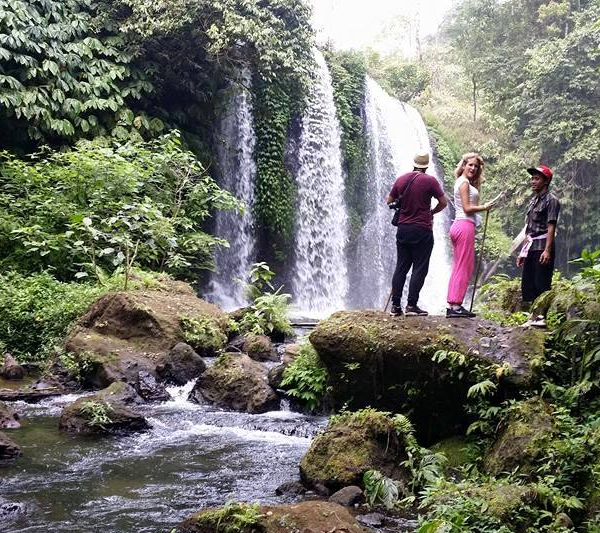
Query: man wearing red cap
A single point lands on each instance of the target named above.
(537, 254)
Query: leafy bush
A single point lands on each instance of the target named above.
(203, 334)
(37, 311)
(105, 205)
(380, 489)
(305, 378)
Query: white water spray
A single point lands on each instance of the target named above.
(235, 155)
(320, 280)
(395, 131)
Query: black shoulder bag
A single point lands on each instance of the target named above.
(397, 203)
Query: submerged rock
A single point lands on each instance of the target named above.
(125, 333)
(387, 363)
(9, 451)
(522, 438)
(236, 382)
(352, 444)
(101, 413)
(309, 517)
(9, 419)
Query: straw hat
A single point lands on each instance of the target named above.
(421, 160)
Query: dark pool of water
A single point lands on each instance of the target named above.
(193, 457)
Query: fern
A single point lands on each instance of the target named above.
(481, 389)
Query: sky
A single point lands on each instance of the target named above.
(361, 23)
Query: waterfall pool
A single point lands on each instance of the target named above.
(193, 457)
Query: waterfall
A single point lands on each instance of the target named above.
(395, 132)
(235, 140)
(319, 279)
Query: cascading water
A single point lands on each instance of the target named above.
(395, 132)
(237, 170)
(320, 281)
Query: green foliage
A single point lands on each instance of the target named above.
(66, 73)
(306, 377)
(380, 489)
(348, 79)
(203, 334)
(104, 206)
(233, 518)
(97, 414)
(37, 311)
(275, 192)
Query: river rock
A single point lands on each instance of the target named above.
(11, 369)
(100, 414)
(148, 388)
(9, 451)
(181, 365)
(293, 488)
(124, 333)
(276, 373)
(386, 362)
(308, 517)
(522, 438)
(9, 419)
(352, 444)
(11, 511)
(235, 382)
(348, 496)
(260, 348)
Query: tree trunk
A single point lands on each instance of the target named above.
(474, 98)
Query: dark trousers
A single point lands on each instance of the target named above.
(414, 246)
(536, 278)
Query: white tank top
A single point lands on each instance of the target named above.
(473, 200)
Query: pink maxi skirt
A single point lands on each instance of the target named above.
(462, 234)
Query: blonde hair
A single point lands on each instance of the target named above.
(463, 163)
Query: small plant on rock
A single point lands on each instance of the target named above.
(96, 413)
(306, 377)
(233, 518)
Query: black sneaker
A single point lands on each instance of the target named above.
(461, 312)
(396, 310)
(414, 310)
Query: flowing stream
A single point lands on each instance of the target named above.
(193, 457)
(234, 144)
(320, 280)
(395, 132)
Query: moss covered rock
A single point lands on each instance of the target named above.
(260, 348)
(386, 362)
(124, 333)
(102, 413)
(352, 444)
(309, 517)
(236, 382)
(522, 438)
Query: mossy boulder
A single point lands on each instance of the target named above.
(124, 333)
(309, 517)
(180, 365)
(352, 444)
(522, 438)
(9, 451)
(236, 382)
(260, 348)
(102, 413)
(498, 500)
(9, 419)
(387, 362)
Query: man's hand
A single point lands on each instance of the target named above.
(520, 261)
(545, 257)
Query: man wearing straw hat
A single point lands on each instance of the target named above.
(537, 253)
(412, 192)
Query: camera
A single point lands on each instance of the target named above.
(395, 204)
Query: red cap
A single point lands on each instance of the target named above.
(543, 170)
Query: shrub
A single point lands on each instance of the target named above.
(306, 377)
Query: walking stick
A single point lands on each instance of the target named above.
(388, 302)
(487, 213)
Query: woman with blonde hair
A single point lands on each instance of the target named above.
(462, 232)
